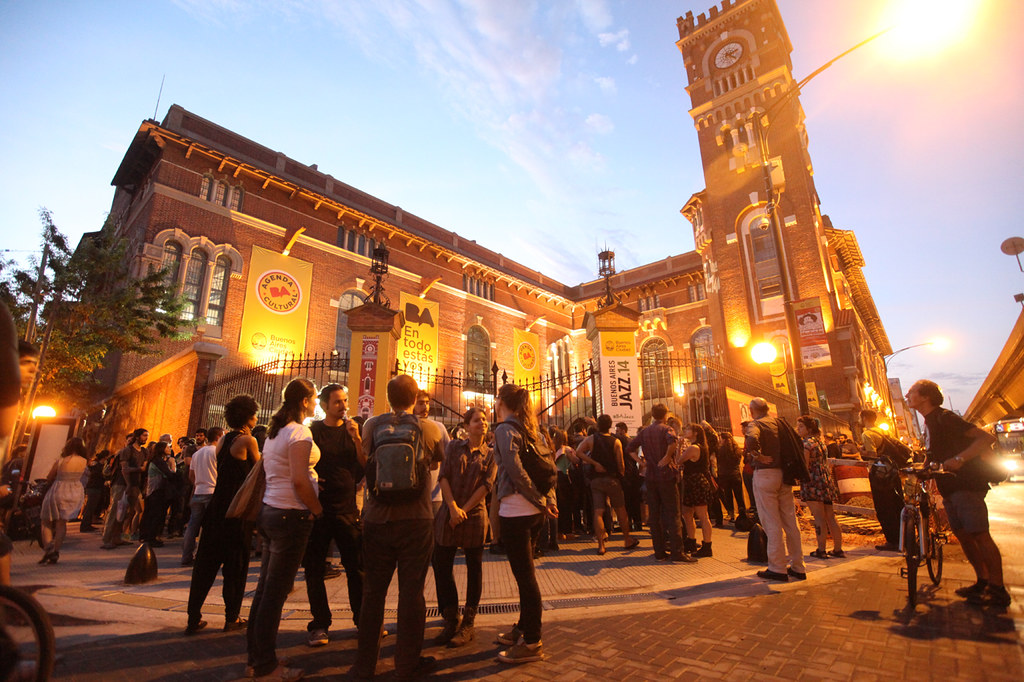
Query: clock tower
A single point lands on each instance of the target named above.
(739, 74)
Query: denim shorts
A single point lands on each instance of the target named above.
(967, 511)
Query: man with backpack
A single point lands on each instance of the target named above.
(774, 496)
(886, 489)
(398, 529)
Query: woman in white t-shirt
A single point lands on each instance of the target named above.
(290, 505)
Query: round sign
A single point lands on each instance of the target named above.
(259, 341)
(279, 292)
(527, 356)
(1012, 246)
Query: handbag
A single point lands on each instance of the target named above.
(248, 501)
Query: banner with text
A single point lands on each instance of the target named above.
(813, 340)
(418, 346)
(620, 378)
(276, 305)
(527, 356)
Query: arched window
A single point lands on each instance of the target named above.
(195, 277)
(218, 293)
(343, 335)
(702, 346)
(478, 360)
(657, 375)
(172, 261)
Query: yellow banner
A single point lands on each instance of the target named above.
(418, 346)
(276, 305)
(527, 356)
(812, 395)
(618, 344)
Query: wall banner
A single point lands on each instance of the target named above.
(276, 305)
(364, 402)
(813, 340)
(418, 346)
(526, 348)
(620, 378)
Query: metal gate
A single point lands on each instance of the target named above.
(265, 382)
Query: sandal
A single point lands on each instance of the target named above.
(838, 553)
(820, 554)
(632, 543)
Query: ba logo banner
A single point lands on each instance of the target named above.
(527, 356)
(276, 305)
(418, 348)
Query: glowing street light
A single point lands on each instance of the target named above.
(938, 344)
(764, 353)
(43, 411)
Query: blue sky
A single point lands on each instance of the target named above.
(547, 129)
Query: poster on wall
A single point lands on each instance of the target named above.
(276, 305)
(418, 346)
(813, 340)
(527, 356)
(620, 378)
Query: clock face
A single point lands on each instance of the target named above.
(728, 55)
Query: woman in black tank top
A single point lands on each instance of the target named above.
(698, 490)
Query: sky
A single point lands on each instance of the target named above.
(549, 129)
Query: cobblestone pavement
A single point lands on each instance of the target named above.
(622, 616)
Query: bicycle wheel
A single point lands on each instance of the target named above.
(26, 636)
(912, 554)
(934, 560)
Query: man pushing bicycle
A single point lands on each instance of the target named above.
(958, 446)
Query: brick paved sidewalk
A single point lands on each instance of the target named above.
(846, 624)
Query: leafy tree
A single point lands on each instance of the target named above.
(90, 305)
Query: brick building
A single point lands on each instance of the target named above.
(199, 199)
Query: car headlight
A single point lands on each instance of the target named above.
(1011, 464)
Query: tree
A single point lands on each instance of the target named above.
(89, 305)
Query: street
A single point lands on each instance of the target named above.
(619, 617)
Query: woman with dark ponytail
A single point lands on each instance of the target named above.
(522, 511)
(290, 505)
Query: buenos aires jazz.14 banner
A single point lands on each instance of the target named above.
(276, 305)
(620, 378)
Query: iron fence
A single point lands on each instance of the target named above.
(267, 380)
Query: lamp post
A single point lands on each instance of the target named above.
(890, 356)
(379, 270)
(762, 122)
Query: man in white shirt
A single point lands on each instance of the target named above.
(203, 475)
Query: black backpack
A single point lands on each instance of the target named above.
(397, 470)
(538, 465)
(896, 451)
(791, 454)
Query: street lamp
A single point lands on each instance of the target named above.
(379, 270)
(939, 344)
(761, 123)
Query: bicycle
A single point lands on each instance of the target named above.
(919, 538)
(27, 643)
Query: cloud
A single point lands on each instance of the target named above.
(633, 59)
(599, 123)
(620, 40)
(606, 83)
(595, 15)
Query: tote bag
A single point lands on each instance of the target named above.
(248, 501)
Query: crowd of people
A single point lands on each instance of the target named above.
(334, 481)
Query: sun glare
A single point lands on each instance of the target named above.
(924, 27)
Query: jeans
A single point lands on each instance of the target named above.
(443, 563)
(663, 515)
(407, 546)
(224, 547)
(348, 536)
(888, 500)
(777, 511)
(732, 487)
(197, 505)
(92, 501)
(285, 532)
(517, 532)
